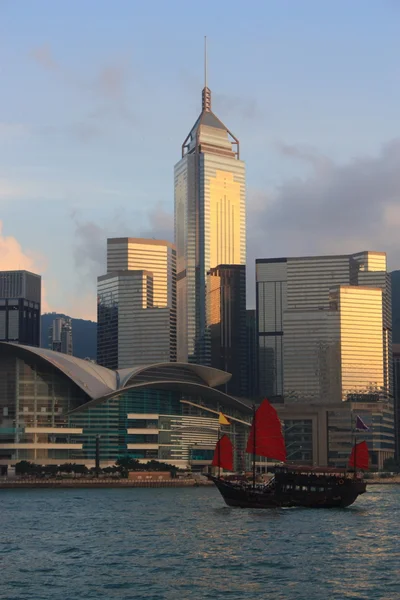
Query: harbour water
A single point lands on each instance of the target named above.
(176, 544)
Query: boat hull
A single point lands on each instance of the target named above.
(244, 496)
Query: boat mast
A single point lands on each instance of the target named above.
(219, 451)
(355, 446)
(254, 446)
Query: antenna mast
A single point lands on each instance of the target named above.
(205, 61)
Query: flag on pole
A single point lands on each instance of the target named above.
(223, 420)
(360, 424)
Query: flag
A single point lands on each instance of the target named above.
(360, 424)
(223, 420)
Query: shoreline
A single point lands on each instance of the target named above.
(102, 483)
(126, 483)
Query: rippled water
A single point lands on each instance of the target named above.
(185, 543)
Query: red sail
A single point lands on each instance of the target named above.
(361, 455)
(268, 432)
(223, 454)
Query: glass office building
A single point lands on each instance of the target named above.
(210, 223)
(314, 316)
(20, 302)
(137, 301)
(324, 334)
(130, 329)
(53, 406)
(226, 323)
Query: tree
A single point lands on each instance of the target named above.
(126, 464)
(24, 467)
(155, 465)
(66, 468)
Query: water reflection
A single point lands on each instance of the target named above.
(179, 544)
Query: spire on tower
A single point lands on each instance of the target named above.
(206, 93)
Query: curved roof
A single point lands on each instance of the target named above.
(99, 382)
(210, 376)
(185, 386)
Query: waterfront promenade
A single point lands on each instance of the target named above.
(16, 483)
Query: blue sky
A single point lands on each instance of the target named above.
(97, 97)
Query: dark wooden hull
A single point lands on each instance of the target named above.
(240, 495)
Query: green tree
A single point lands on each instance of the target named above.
(125, 464)
(24, 467)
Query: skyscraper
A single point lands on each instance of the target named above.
(157, 256)
(305, 352)
(226, 323)
(20, 301)
(137, 303)
(396, 393)
(209, 222)
(324, 338)
(251, 354)
(60, 335)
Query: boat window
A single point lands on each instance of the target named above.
(313, 489)
(304, 488)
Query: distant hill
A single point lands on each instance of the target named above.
(395, 275)
(84, 335)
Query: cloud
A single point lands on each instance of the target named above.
(108, 90)
(14, 257)
(246, 108)
(10, 130)
(43, 56)
(90, 244)
(10, 190)
(336, 208)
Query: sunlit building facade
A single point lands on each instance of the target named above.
(324, 336)
(314, 317)
(210, 223)
(156, 256)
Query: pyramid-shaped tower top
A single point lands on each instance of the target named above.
(209, 134)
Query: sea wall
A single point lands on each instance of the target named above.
(7, 483)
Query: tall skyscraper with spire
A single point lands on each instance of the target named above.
(210, 222)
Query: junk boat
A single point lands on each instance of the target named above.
(291, 485)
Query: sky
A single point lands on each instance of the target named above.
(98, 96)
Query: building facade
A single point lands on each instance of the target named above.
(20, 307)
(130, 329)
(396, 393)
(137, 303)
(60, 335)
(324, 333)
(210, 223)
(303, 305)
(156, 256)
(53, 406)
(251, 354)
(226, 324)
